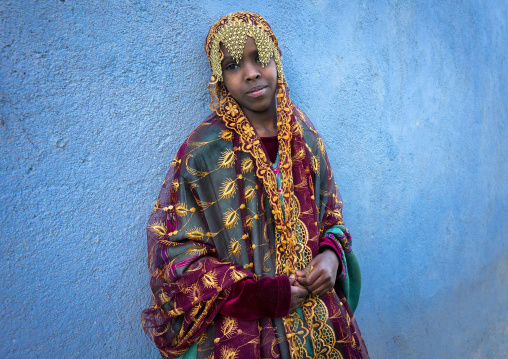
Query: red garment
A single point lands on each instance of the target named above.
(249, 300)
(271, 146)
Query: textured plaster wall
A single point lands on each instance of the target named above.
(410, 97)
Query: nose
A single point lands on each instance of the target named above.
(251, 72)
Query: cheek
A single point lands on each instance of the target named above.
(271, 70)
(231, 83)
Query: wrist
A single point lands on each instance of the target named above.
(331, 258)
(330, 252)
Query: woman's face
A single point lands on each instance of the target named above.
(251, 85)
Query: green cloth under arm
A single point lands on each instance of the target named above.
(352, 283)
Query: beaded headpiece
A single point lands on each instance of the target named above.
(232, 31)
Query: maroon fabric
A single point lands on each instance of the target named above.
(265, 298)
(272, 147)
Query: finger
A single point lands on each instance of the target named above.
(292, 279)
(301, 291)
(298, 292)
(322, 290)
(304, 281)
(306, 272)
(299, 285)
(309, 269)
(315, 276)
(312, 276)
(315, 261)
(303, 294)
(319, 282)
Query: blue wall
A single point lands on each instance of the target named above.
(410, 97)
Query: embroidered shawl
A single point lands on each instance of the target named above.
(220, 218)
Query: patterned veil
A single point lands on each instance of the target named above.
(223, 216)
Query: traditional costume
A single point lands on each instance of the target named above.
(230, 225)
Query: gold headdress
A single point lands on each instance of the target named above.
(232, 31)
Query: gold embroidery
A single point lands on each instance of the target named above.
(321, 144)
(229, 326)
(197, 251)
(181, 209)
(210, 279)
(229, 353)
(227, 159)
(230, 218)
(191, 170)
(247, 165)
(249, 193)
(235, 247)
(195, 233)
(196, 144)
(226, 135)
(248, 221)
(202, 338)
(228, 188)
(164, 298)
(315, 164)
(204, 205)
(159, 229)
(237, 276)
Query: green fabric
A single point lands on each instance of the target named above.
(308, 341)
(191, 353)
(352, 283)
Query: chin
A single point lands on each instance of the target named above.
(260, 107)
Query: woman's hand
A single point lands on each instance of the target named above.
(298, 294)
(319, 276)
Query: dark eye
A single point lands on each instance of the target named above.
(257, 58)
(231, 66)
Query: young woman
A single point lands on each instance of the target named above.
(248, 253)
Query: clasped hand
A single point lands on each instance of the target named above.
(317, 278)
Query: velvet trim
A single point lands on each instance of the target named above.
(264, 298)
(271, 146)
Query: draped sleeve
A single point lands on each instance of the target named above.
(189, 283)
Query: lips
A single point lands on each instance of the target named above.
(257, 90)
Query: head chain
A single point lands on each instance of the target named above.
(234, 35)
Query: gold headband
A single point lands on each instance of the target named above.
(232, 32)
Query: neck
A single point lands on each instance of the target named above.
(265, 123)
